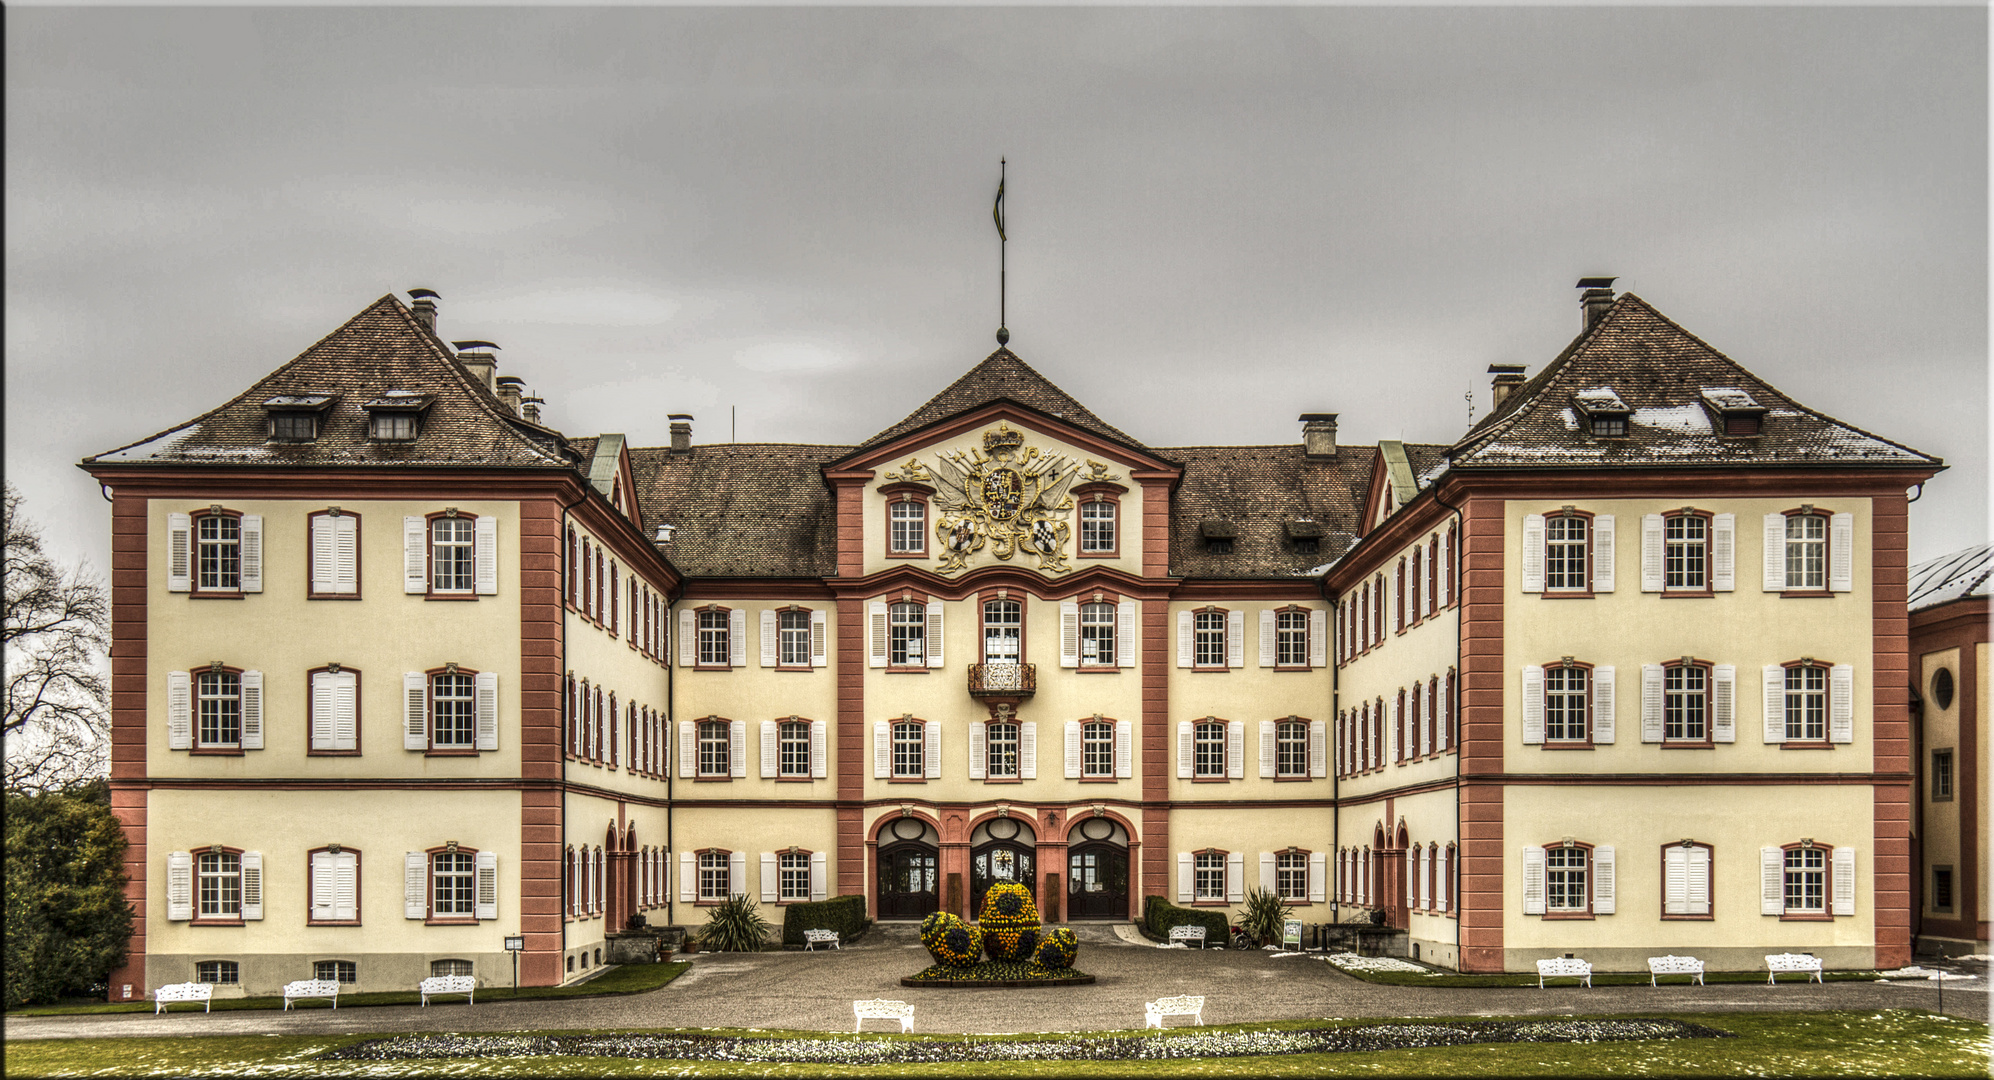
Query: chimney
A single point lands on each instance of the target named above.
(477, 355)
(529, 409)
(422, 303)
(1507, 378)
(1596, 300)
(509, 391)
(681, 433)
(1319, 435)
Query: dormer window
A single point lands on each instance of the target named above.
(396, 416)
(1218, 536)
(1305, 534)
(1604, 414)
(1736, 413)
(295, 417)
(391, 427)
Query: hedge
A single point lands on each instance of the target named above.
(845, 914)
(1159, 915)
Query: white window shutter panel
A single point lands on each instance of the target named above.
(1186, 749)
(179, 555)
(935, 631)
(488, 710)
(882, 750)
(1426, 878)
(252, 553)
(325, 560)
(1124, 750)
(1652, 541)
(415, 711)
(1675, 880)
(1602, 880)
(487, 885)
(252, 710)
(1440, 577)
(819, 628)
(346, 886)
(346, 711)
(737, 638)
(771, 879)
(1841, 553)
(932, 752)
(179, 886)
(179, 712)
(876, 623)
(1844, 864)
(1772, 881)
(1187, 878)
(1318, 875)
(737, 749)
(1318, 749)
(1841, 703)
(1128, 634)
(817, 876)
(1185, 639)
(1774, 677)
(1235, 750)
(768, 637)
(1651, 703)
(1602, 553)
(688, 637)
(346, 555)
(1724, 552)
(484, 555)
(737, 873)
(1724, 703)
(1602, 704)
(977, 749)
(1028, 750)
(1775, 554)
(1442, 884)
(1235, 877)
(1533, 881)
(1267, 881)
(1697, 893)
(415, 555)
(1266, 637)
(1235, 638)
(771, 752)
(688, 750)
(323, 888)
(1318, 638)
(1069, 633)
(1533, 553)
(1072, 731)
(252, 886)
(688, 878)
(1533, 705)
(415, 885)
(1267, 732)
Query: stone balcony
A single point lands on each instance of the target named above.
(1008, 681)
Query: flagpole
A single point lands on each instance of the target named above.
(1003, 251)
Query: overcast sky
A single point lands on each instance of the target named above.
(1222, 218)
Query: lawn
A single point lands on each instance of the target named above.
(1599, 978)
(1889, 1043)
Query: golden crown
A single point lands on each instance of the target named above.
(1003, 438)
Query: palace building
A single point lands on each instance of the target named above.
(399, 671)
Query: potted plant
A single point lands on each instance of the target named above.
(1262, 916)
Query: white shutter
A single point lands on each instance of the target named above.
(1128, 634)
(1318, 875)
(1775, 702)
(1841, 552)
(1602, 880)
(1651, 703)
(345, 886)
(1441, 571)
(737, 638)
(252, 553)
(252, 885)
(346, 555)
(1185, 639)
(932, 752)
(768, 637)
(1267, 733)
(487, 706)
(688, 638)
(819, 652)
(1724, 703)
(1235, 877)
(342, 704)
(1318, 638)
(1069, 633)
(935, 612)
(1775, 555)
(484, 556)
(1602, 704)
(771, 879)
(179, 556)
(1423, 878)
(1723, 553)
(179, 886)
(1441, 882)
(1073, 749)
(1318, 749)
(1533, 705)
(1186, 749)
(817, 876)
(977, 733)
(737, 749)
(1124, 750)
(1652, 540)
(882, 750)
(179, 711)
(1533, 881)
(1675, 880)
(688, 750)
(1841, 703)
(487, 884)
(1533, 553)
(1267, 881)
(252, 710)
(688, 878)
(737, 873)
(1845, 881)
(415, 885)
(323, 888)
(1028, 750)
(771, 752)
(1235, 638)
(1602, 553)
(820, 763)
(876, 621)
(1266, 637)
(1697, 898)
(1187, 877)
(325, 560)
(1235, 750)
(1772, 881)
(415, 555)
(415, 711)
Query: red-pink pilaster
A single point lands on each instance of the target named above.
(129, 535)
(851, 747)
(1481, 734)
(1155, 866)
(1891, 868)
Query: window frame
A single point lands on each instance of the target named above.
(897, 496)
(1949, 892)
(1017, 750)
(1095, 734)
(1710, 886)
(786, 873)
(983, 625)
(311, 896)
(916, 765)
(899, 637)
(700, 868)
(231, 968)
(1585, 694)
(702, 740)
(201, 855)
(1586, 557)
(1282, 730)
(1826, 913)
(1826, 692)
(1199, 870)
(338, 973)
(785, 745)
(195, 573)
(1300, 638)
(1299, 871)
(1199, 754)
(311, 554)
(1826, 518)
(1670, 668)
(1670, 518)
(201, 745)
(700, 638)
(470, 546)
(1199, 636)
(1587, 888)
(431, 891)
(441, 749)
(1111, 610)
(1098, 498)
(1942, 767)
(359, 710)
(784, 634)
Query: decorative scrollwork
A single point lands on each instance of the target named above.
(1013, 500)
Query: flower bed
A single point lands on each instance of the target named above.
(993, 973)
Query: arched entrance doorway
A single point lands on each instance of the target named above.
(1001, 849)
(909, 869)
(1097, 870)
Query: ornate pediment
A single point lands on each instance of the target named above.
(1007, 496)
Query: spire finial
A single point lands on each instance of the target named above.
(997, 215)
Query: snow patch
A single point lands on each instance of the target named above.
(1681, 419)
(156, 447)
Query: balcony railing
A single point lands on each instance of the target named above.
(1003, 680)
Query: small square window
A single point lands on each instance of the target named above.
(1219, 545)
(1942, 776)
(339, 971)
(1609, 425)
(222, 972)
(391, 426)
(1308, 545)
(294, 426)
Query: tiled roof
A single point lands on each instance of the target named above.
(742, 509)
(381, 350)
(1428, 461)
(1951, 577)
(1002, 375)
(1256, 489)
(1661, 372)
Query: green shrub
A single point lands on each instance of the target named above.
(845, 914)
(67, 919)
(1159, 915)
(735, 926)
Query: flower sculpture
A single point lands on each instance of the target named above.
(949, 940)
(1010, 922)
(1057, 948)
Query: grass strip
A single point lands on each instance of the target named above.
(1599, 978)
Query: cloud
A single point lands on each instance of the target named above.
(790, 356)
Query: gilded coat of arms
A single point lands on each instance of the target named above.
(1007, 496)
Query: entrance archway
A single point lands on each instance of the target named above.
(1097, 870)
(1001, 849)
(909, 876)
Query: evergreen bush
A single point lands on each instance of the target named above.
(734, 926)
(845, 914)
(1159, 915)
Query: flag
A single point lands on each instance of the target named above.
(997, 211)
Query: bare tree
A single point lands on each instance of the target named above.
(56, 635)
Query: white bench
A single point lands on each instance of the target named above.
(1792, 962)
(1191, 1005)
(1188, 933)
(814, 938)
(173, 993)
(437, 985)
(311, 988)
(882, 1009)
(1675, 965)
(1564, 967)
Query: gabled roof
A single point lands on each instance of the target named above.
(1661, 372)
(742, 509)
(1257, 490)
(1951, 577)
(381, 350)
(1002, 377)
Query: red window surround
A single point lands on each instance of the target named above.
(907, 493)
